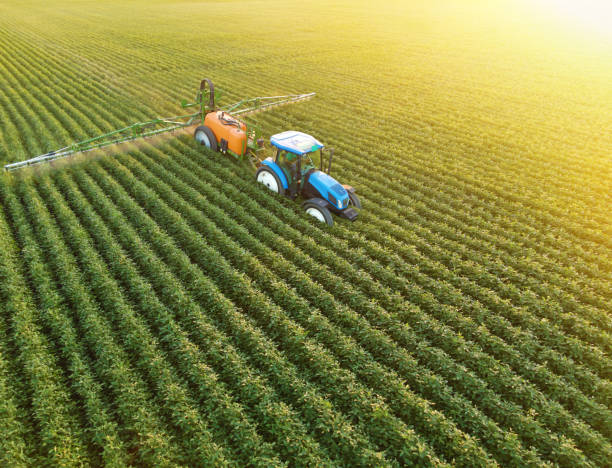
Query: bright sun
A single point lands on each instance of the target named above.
(595, 15)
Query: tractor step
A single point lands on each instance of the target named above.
(349, 213)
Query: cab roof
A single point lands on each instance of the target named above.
(295, 142)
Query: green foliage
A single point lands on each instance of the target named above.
(158, 308)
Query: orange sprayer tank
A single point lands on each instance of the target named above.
(226, 127)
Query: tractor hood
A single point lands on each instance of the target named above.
(330, 189)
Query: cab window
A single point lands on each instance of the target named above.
(311, 160)
(288, 163)
(286, 157)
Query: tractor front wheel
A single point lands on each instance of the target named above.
(319, 212)
(205, 136)
(354, 200)
(268, 178)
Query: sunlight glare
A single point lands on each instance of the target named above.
(595, 15)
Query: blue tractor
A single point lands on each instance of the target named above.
(293, 171)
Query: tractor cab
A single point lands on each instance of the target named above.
(297, 154)
(293, 171)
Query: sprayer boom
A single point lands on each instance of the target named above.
(205, 100)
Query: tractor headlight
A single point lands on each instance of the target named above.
(340, 204)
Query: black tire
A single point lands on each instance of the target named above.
(205, 136)
(324, 214)
(265, 172)
(354, 200)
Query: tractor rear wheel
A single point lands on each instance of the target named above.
(319, 212)
(205, 136)
(354, 200)
(266, 176)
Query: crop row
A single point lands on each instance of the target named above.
(117, 174)
(361, 364)
(189, 171)
(432, 203)
(105, 432)
(16, 442)
(246, 186)
(464, 312)
(303, 312)
(317, 274)
(133, 402)
(225, 418)
(319, 364)
(319, 414)
(61, 438)
(12, 445)
(254, 345)
(184, 354)
(254, 392)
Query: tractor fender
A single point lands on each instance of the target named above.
(349, 188)
(317, 201)
(269, 162)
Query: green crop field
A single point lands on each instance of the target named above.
(160, 308)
